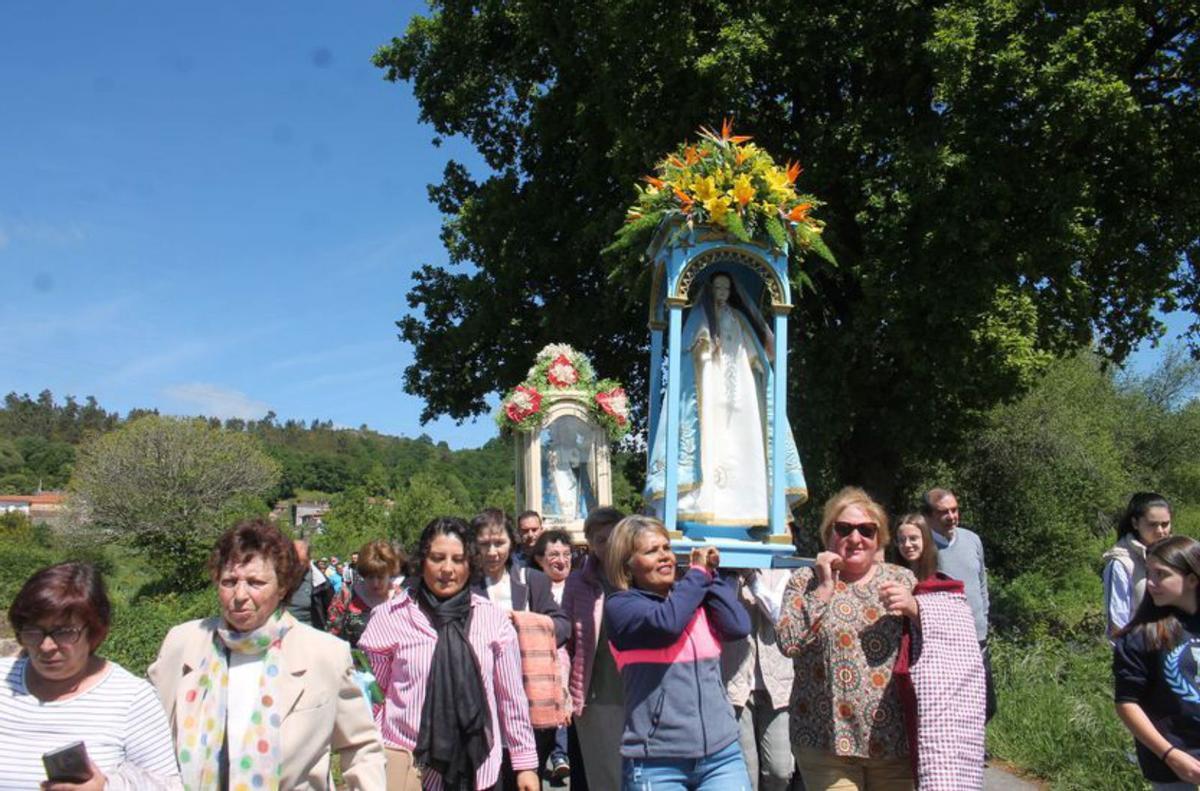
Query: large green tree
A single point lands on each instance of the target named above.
(169, 486)
(1006, 181)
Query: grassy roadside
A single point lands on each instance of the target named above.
(1056, 715)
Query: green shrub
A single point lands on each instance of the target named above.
(18, 561)
(1034, 605)
(139, 627)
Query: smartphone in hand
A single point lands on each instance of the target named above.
(68, 764)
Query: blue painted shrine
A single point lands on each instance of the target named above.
(683, 261)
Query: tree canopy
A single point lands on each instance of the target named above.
(1005, 182)
(170, 486)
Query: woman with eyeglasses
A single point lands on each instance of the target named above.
(842, 621)
(59, 691)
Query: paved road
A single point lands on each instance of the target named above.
(996, 779)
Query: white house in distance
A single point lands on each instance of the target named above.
(40, 507)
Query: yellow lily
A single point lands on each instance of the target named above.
(705, 189)
(717, 207)
(743, 190)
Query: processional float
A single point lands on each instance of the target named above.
(563, 419)
(728, 229)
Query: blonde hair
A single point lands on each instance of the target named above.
(847, 497)
(621, 545)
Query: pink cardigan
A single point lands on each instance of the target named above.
(583, 603)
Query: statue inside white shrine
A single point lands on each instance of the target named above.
(726, 377)
(567, 491)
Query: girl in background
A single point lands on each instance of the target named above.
(1146, 520)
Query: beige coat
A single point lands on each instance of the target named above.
(323, 708)
(738, 658)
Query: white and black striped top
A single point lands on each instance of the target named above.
(120, 720)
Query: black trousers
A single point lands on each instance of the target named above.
(990, 707)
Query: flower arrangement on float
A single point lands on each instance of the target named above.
(726, 182)
(559, 367)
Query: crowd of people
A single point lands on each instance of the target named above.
(496, 655)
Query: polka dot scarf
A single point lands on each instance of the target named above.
(255, 762)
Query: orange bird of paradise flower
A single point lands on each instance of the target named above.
(793, 171)
(653, 182)
(727, 133)
(799, 213)
(683, 198)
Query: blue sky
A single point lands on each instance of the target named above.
(216, 208)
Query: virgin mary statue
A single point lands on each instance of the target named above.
(725, 415)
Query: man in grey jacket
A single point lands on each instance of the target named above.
(960, 556)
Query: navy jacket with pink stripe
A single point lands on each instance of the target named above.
(669, 653)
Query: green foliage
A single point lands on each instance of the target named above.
(170, 486)
(1046, 470)
(1056, 715)
(984, 200)
(424, 498)
(19, 558)
(141, 623)
(355, 517)
(1037, 606)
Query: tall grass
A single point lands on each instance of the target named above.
(1056, 715)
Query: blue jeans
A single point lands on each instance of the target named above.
(724, 770)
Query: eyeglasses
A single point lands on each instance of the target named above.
(63, 635)
(867, 530)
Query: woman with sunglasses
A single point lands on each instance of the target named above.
(842, 621)
(59, 691)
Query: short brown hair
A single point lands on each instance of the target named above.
(853, 495)
(377, 558)
(621, 545)
(257, 538)
(64, 590)
(604, 516)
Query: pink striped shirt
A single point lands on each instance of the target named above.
(399, 642)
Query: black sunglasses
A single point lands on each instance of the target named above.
(867, 530)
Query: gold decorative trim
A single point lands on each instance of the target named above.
(704, 518)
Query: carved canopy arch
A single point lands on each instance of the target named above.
(733, 255)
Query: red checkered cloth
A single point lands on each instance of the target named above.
(939, 674)
(540, 670)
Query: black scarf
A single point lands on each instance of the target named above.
(456, 724)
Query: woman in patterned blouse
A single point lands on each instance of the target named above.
(377, 565)
(842, 620)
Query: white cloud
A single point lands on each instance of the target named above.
(216, 401)
(56, 235)
(172, 357)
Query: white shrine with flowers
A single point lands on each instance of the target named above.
(563, 420)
